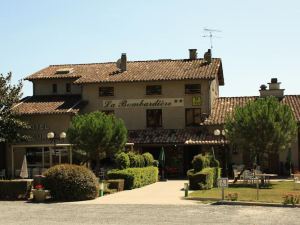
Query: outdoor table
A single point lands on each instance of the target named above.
(265, 177)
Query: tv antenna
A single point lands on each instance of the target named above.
(210, 34)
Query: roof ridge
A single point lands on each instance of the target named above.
(133, 61)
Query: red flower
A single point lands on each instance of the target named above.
(39, 186)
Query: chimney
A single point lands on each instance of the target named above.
(123, 64)
(274, 89)
(207, 56)
(193, 54)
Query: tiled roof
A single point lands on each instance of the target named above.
(155, 70)
(49, 104)
(173, 136)
(224, 107)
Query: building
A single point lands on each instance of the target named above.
(173, 104)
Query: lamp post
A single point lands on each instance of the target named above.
(53, 138)
(222, 133)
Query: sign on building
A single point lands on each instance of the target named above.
(151, 102)
(196, 101)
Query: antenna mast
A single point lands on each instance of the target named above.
(210, 35)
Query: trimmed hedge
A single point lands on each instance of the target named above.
(135, 177)
(205, 179)
(133, 159)
(15, 189)
(71, 183)
(122, 160)
(200, 162)
(148, 158)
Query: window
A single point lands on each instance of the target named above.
(153, 90)
(192, 88)
(68, 87)
(193, 117)
(154, 118)
(54, 88)
(106, 91)
(109, 112)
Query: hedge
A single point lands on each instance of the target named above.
(122, 160)
(71, 183)
(135, 177)
(15, 189)
(205, 179)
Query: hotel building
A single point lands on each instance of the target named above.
(173, 104)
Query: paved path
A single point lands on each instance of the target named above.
(160, 193)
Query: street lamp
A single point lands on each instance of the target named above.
(53, 138)
(218, 133)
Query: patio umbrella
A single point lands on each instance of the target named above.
(161, 160)
(24, 169)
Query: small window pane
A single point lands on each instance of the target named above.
(193, 117)
(68, 87)
(54, 88)
(192, 88)
(153, 90)
(106, 91)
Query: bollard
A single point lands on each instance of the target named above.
(186, 189)
(101, 188)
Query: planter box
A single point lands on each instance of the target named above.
(40, 195)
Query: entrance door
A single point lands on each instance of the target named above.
(59, 156)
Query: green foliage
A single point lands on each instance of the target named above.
(98, 135)
(133, 158)
(135, 177)
(200, 162)
(155, 163)
(262, 127)
(122, 160)
(71, 183)
(140, 161)
(148, 158)
(291, 199)
(213, 162)
(15, 189)
(203, 179)
(11, 125)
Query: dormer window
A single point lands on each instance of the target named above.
(64, 71)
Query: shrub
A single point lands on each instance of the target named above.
(71, 183)
(122, 160)
(291, 199)
(135, 177)
(200, 162)
(155, 163)
(201, 180)
(141, 161)
(133, 158)
(15, 189)
(214, 162)
(148, 158)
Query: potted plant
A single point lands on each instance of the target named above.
(39, 193)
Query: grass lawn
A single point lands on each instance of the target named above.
(247, 192)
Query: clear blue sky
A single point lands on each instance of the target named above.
(259, 39)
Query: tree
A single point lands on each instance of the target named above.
(262, 127)
(97, 135)
(11, 126)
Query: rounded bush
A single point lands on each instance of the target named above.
(141, 161)
(155, 163)
(148, 158)
(200, 162)
(134, 162)
(122, 160)
(71, 183)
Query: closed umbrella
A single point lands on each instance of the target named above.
(24, 169)
(162, 160)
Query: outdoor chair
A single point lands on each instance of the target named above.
(2, 174)
(248, 176)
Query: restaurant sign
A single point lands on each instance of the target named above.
(149, 102)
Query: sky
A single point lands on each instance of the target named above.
(259, 38)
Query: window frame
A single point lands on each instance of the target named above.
(147, 118)
(106, 93)
(149, 92)
(188, 89)
(193, 124)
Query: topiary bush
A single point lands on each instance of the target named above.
(135, 177)
(201, 180)
(71, 183)
(122, 160)
(148, 158)
(141, 161)
(133, 158)
(200, 162)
